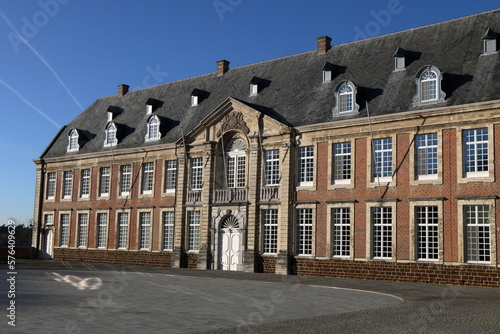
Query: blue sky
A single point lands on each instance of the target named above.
(58, 56)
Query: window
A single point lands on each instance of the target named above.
(49, 220)
(82, 229)
(122, 230)
(102, 229)
(490, 46)
(382, 153)
(51, 185)
(153, 129)
(168, 230)
(147, 178)
(85, 184)
(270, 231)
(426, 160)
(196, 173)
(477, 233)
(125, 179)
(145, 229)
(399, 63)
(345, 98)
(327, 75)
(342, 163)
(64, 238)
(111, 139)
(427, 232)
(236, 168)
(428, 81)
(254, 89)
(170, 175)
(341, 232)
(194, 100)
(306, 165)
(381, 232)
(476, 152)
(304, 231)
(194, 230)
(73, 145)
(272, 177)
(104, 181)
(68, 184)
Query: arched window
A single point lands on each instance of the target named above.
(153, 129)
(73, 145)
(428, 81)
(345, 98)
(236, 164)
(111, 139)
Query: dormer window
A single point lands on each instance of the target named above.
(194, 100)
(73, 137)
(153, 129)
(254, 89)
(111, 139)
(327, 72)
(256, 85)
(346, 98)
(489, 42)
(400, 59)
(149, 109)
(428, 81)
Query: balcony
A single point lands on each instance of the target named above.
(230, 195)
(269, 193)
(193, 196)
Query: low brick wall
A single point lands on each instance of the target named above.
(472, 275)
(162, 259)
(192, 260)
(266, 264)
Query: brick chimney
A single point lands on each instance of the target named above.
(324, 44)
(222, 67)
(122, 90)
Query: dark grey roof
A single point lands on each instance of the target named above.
(294, 92)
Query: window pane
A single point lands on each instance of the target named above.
(170, 174)
(126, 177)
(342, 161)
(304, 231)
(145, 229)
(122, 229)
(168, 230)
(382, 150)
(426, 154)
(306, 164)
(341, 228)
(102, 229)
(270, 244)
(82, 229)
(104, 182)
(476, 150)
(427, 232)
(478, 239)
(382, 232)
(272, 167)
(194, 230)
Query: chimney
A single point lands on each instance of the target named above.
(122, 90)
(222, 67)
(324, 44)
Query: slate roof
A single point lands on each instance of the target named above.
(294, 92)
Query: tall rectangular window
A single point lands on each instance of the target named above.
(304, 232)
(427, 232)
(478, 235)
(102, 229)
(51, 185)
(306, 165)
(272, 167)
(270, 231)
(168, 230)
(342, 163)
(170, 175)
(64, 231)
(68, 184)
(147, 178)
(341, 232)
(476, 152)
(196, 173)
(145, 229)
(426, 150)
(382, 232)
(194, 230)
(85, 183)
(49, 220)
(104, 181)
(125, 179)
(83, 219)
(122, 241)
(382, 155)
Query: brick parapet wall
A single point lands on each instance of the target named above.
(162, 259)
(192, 260)
(266, 264)
(471, 275)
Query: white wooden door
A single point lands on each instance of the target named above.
(230, 249)
(49, 241)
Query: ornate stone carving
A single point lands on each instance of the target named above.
(233, 121)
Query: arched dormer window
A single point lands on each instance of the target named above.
(153, 129)
(111, 139)
(345, 98)
(73, 145)
(236, 164)
(428, 81)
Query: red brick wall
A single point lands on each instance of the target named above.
(192, 260)
(266, 264)
(162, 259)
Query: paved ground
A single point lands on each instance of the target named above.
(62, 297)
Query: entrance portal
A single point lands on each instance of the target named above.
(230, 244)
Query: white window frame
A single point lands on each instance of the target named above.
(125, 179)
(104, 181)
(194, 100)
(193, 220)
(170, 176)
(415, 203)
(64, 229)
(196, 175)
(168, 230)
(345, 98)
(347, 212)
(430, 146)
(425, 84)
(270, 231)
(370, 231)
(51, 185)
(387, 176)
(122, 229)
(73, 138)
(305, 217)
(306, 166)
(399, 63)
(341, 156)
(111, 138)
(483, 176)
(153, 129)
(236, 164)
(67, 190)
(272, 168)
(477, 144)
(102, 230)
(144, 237)
(147, 180)
(254, 89)
(489, 46)
(83, 227)
(85, 183)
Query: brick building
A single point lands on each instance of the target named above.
(371, 159)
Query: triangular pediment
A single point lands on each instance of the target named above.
(235, 115)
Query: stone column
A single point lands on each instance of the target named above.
(204, 253)
(180, 193)
(253, 185)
